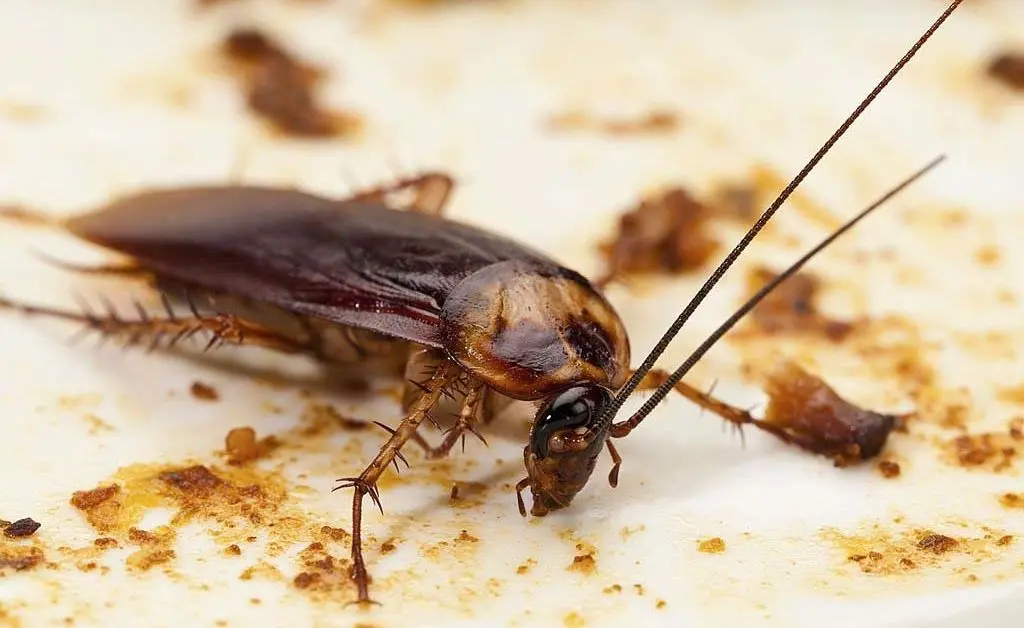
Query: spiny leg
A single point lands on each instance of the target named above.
(128, 270)
(468, 417)
(366, 483)
(222, 328)
(430, 193)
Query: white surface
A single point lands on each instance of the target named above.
(468, 87)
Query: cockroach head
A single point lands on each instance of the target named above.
(568, 434)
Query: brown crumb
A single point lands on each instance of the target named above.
(21, 528)
(651, 123)
(280, 88)
(1012, 500)
(233, 550)
(714, 545)
(804, 409)
(387, 547)
(668, 233)
(791, 307)
(615, 588)
(889, 469)
(241, 446)
(584, 564)
(20, 557)
(660, 604)
(1004, 540)
(992, 451)
(525, 567)
(204, 392)
(1008, 68)
(938, 543)
(335, 534)
(105, 542)
(466, 537)
(145, 559)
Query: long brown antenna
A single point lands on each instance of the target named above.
(619, 430)
(710, 282)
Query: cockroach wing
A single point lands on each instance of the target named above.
(358, 264)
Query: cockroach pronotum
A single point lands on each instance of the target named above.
(363, 280)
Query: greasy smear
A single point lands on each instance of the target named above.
(1008, 68)
(804, 409)
(652, 123)
(668, 233)
(19, 529)
(883, 552)
(281, 89)
(714, 545)
(989, 451)
(791, 307)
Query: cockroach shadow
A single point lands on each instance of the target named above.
(460, 313)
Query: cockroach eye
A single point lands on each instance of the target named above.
(568, 422)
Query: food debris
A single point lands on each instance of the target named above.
(318, 418)
(668, 233)
(714, 545)
(1008, 68)
(241, 446)
(573, 620)
(204, 392)
(791, 308)
(615, 588)
(322, 573)
(147, 558)
(21, 528)
(805, 410)
(887, 553)
(652, 123)
(584, 562)
(889, 469)
(233, 550)
(661, 604)
(387, 546)
(1012, 500)
(280, 88)
(993, 451)
(525, 567)
(20, 557)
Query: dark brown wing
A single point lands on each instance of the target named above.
(359, 264)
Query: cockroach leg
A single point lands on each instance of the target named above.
(366, 482)
(520, 487)
(430, 193)
(468, 417)
(167, 331)
(613, 475)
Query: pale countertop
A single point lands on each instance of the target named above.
(98, 99)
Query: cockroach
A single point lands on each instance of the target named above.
(362, 280)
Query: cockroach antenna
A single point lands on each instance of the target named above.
(612, 409)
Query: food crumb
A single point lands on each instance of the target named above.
(803, 407)
(1004, 540)
(105, 542)
(615, 588)
(889, 469)
(1012, 500)
(241, 446)
(573, 620)
(938, 543)
(526, 566)
(714, 545)
(994, 451)
(661, 604)
(1008, 68)
(387, 547)
(21, 528)
(204, 392)
(233, 550)
(667, 233)
(280, 88)
(792, 307)
(146, 559)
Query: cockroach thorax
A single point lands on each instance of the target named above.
(529, 333)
